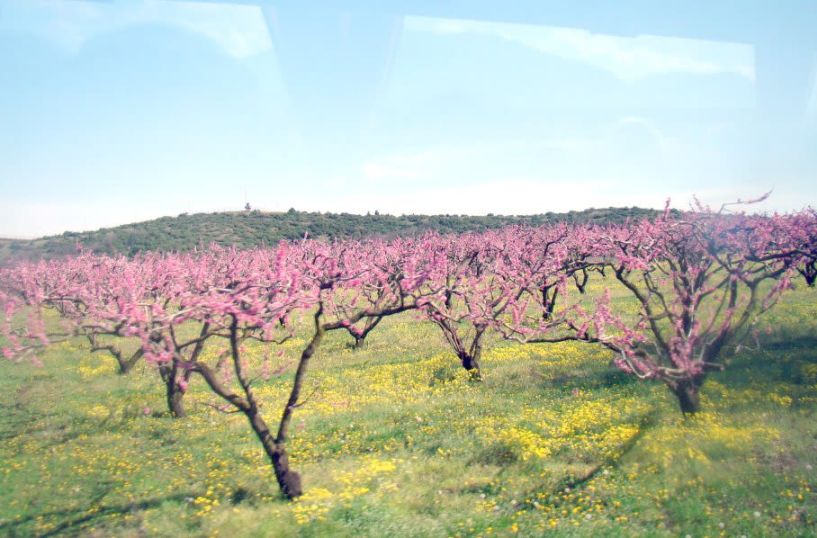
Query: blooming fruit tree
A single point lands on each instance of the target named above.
(700, 281)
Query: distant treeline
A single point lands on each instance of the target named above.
(251, 228)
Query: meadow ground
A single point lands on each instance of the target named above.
(395, 441)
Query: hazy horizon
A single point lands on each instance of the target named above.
(262, 210)
(747, 208)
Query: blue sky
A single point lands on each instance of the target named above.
(113, 112)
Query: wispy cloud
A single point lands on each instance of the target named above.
(629, 58)
(240, 31)
(516, 196)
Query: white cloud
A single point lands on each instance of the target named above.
(405, 166)
(240, 31)
(510, 196)
(629, 58)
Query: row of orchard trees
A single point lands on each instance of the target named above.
(699, 281)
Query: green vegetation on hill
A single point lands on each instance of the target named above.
(251, 228)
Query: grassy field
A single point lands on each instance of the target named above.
(395, 441)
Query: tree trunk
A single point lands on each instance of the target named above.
(173, 393)
(360, 338)
(174, 400)
(470, 356)
(688, 393)
(288, 480)
(548, 301)
(470, 361)
(809, 272)
(126, 365)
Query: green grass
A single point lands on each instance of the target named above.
(395, 441)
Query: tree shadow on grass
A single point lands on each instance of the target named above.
(16, 527)
(790, 341)
(57, 434)
(579, 479)
(779, 359)
(598, 379)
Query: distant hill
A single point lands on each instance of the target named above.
(251, 228)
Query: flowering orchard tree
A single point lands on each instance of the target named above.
(175, 304)
(92, 295)
(392, 277)
(547, 264)
(190, 299)
(240, 296)
(107, 298)
(806, 225)
(700, 281)
(472, 281)
(20, 295)
(236, 296)
(793, 237)
(559, 258)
